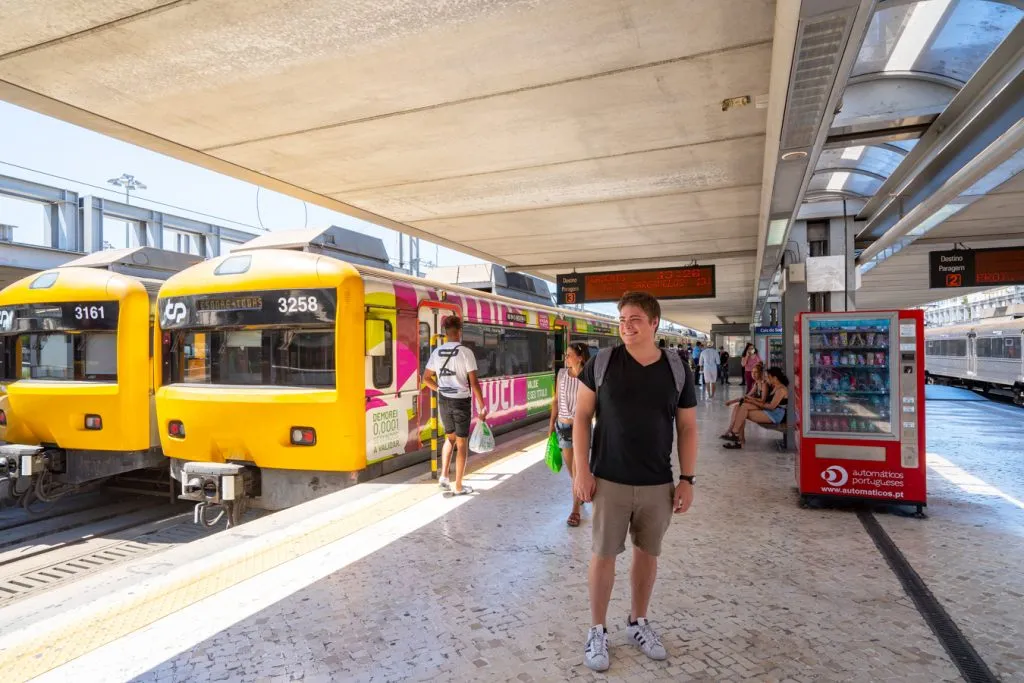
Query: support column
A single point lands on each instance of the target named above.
(794, 301)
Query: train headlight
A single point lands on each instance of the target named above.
(176, 429)
(93, 422)
(303, 436)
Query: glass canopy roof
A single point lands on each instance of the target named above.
(946, 38)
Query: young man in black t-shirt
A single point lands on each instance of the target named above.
(630, 476)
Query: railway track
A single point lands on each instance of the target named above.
(85, 534)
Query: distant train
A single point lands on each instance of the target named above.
(283, 374)
(984, 356)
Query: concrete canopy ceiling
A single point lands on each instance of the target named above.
(530, 133)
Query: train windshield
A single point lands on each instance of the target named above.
(66, 341)
(66, 356)
(268, 357)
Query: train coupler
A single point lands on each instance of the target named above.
(220, 488)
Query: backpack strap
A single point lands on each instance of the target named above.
(678, 371)
(604, 356)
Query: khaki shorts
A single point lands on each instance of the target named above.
(644, 511)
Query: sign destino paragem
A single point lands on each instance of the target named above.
(976, 267)
(689, 282)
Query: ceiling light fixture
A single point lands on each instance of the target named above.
(776, 231)
(790, 156)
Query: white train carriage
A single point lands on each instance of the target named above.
(985, 356)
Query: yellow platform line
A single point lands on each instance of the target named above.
(57, 645)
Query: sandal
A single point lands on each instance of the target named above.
(574, 519)
(729, 436)
(733, 446)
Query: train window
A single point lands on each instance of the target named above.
(931, 348)
(383, 366)
(424, 346)
(509, 351)
(1011, 348)
(84, 357)
(297, 358)
(983, 347)
(959, 348)
(8, 357)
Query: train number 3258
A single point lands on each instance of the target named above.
(297, 304)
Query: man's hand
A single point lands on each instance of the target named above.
(482, 413)
(584, 485)
(683, 498)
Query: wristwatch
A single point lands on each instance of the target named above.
(687, 478)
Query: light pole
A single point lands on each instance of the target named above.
(129, 183)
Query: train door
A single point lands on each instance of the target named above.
(427, 343)
(431, 336)
(972, 355)
(560, 344)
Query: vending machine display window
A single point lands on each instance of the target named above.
(849, 374)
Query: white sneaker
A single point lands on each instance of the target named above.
(646, 639)
(444, 484)
(596, 654)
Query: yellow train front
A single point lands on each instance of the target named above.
(261, 386)
(75, 380)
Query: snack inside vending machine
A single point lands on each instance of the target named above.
(768, 341)
(859, 405)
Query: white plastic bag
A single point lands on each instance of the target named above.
(482, 439)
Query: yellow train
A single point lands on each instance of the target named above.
(76, 372)
(288, 373)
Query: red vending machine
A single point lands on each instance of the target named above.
(858, 398)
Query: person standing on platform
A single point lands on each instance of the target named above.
(696, 361)
(563, 408)
(749, 360)
(723, 365)
(709, 360)
(643, 397)
(451, 372)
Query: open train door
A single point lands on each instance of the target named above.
(430, 317)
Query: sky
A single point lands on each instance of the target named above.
(32, 141)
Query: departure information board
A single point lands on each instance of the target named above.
(976, 267)
(691, 282)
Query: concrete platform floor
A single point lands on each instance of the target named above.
(751, 587)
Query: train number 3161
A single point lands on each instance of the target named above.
(297, 304)
(90, 313)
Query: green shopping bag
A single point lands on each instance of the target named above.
(553, 455)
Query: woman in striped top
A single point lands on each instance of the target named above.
(563, 409)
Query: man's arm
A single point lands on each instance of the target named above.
(686, 436)
(474, 383)
(583, 481)
(430, 379)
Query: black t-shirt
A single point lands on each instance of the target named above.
(636, 409)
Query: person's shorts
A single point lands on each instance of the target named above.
(456, 414)
(643, 511)
(564, 432)
(711, 374)
(776, 415)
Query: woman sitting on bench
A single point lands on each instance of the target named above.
(759, 391)
(769, 411)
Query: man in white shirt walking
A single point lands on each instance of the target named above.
(709, 361)
(452, 373)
